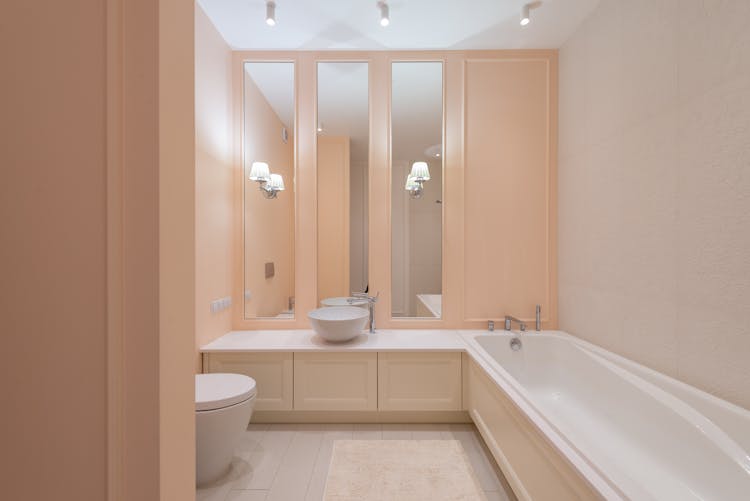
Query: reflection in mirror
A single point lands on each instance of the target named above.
(268, 189)
(417, 189)
(343, 139)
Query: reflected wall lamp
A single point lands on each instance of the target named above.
(270, 184)
(420, 173)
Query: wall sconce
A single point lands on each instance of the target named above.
(270, 184)
(420, 173)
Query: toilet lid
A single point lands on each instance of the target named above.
(215, 391)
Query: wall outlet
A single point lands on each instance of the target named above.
(219, 305)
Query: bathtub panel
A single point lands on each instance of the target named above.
(533, 468)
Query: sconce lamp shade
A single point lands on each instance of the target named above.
(420, 171)
(259, 172)
(275, 183)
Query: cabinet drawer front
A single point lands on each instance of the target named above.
(273, 374)
(419, 381)
(335, 381)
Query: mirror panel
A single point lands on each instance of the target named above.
(268, 189)
(416, 189)
(342, 167)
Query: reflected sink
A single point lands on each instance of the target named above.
(338, 323)
(344, 301)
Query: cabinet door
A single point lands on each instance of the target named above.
(335, 381)
(419, 381)
(273, 374)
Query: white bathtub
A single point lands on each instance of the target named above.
(632, 432)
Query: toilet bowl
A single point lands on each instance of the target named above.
(223, 406)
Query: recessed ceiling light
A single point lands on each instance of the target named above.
(271, 13)
(385, 18)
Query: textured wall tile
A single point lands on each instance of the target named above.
(714, 41)
(654, 209)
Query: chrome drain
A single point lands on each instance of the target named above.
(515, 344)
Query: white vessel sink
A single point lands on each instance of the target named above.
(338, 323)
(344, 301)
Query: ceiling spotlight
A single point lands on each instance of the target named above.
(526, 12)
(385, 18)
(525, 15)
(271, 13)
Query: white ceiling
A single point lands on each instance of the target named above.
(353, 24)
(415, 24)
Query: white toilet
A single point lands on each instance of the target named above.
(223, 406)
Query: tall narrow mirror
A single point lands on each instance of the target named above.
(416, 189)
(343, 139)
(268, 189)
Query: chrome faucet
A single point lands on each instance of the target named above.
(538, 317)
(509, 323)
(371, 300)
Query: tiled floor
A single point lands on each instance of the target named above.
(288, 462)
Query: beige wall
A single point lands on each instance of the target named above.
(654, 207)
(215, 175)
(530, 177)
(53, 268)
(268, 224)
(96, 302)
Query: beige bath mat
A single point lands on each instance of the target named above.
(401, 470)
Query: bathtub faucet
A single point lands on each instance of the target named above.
(509, 323)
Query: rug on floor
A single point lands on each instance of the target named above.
(401, 470)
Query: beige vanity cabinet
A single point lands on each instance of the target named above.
(348, 381)
(273, 373)
(335, 381)
(419, 381)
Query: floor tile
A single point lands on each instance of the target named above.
(497, 496)
(323, 460)
(431, 432)
(290, 461)
(265, 460)
(397, 431)
(368, 432)
(247, 495)
(296, 468)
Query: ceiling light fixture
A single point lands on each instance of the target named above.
(526, 12)
(385, 18)
(525, 15)
(271, 13)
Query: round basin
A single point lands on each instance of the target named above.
(338, 323)
(344, 301)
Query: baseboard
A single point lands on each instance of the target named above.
(361, 417)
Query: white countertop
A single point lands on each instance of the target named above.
(307, 340)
